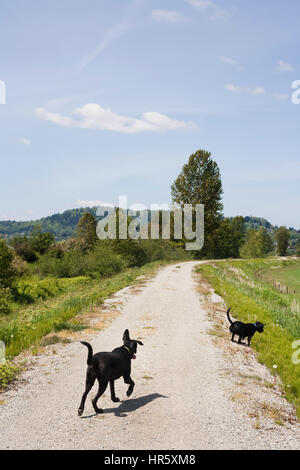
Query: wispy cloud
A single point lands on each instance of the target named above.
(216, 12)
(89, 203)
(111, 35)
(169, 16)
(283, 66)
(233, 88)
(203, 4)
(251, 91)
(230, 61)
(25, 141)
(256, 91)
(282, 96)
(93, 116)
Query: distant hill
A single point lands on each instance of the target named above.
(64, 225)
(61, 225)
(257, 222)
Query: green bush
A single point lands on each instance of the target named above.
(70, 264)
(164, 250)
(102, 261)
(8, 372)
(23, 248)
(7, 272)
(5, 299)
(32, 289)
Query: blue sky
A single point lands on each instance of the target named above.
(110, 97)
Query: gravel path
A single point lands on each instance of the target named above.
(179, 401)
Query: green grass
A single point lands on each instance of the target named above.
(253, 298)
(33, 322)
(287, 273)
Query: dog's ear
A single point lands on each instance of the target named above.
(140, 342)
(126, 336)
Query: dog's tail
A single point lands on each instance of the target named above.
(90, 354)
(229, 316)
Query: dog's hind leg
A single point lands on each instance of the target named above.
(90, 380)
(112, 391)
(102, 387)
(128, 380)
(232, 337)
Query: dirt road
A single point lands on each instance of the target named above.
(180, 400)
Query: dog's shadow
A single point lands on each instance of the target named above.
(129, 405)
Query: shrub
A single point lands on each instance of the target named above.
(131, 250)
(70, 264)
(164, 250)
(5, 299)
(103, 262)
(99, 262)
(32, 289)
(41, 241)
(8, 372)
(23, 248)
(7, 272)
(258, 244)
(19, 265)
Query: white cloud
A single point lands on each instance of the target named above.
(203, 4)
(282, 96)
(54, 117)
(228, 60)
(88, 203)
(169, 16)
(283, 66)
(231, 61)
(233, 88)
(25, 141)
(257, 91)
(93, 116)
(5, 217)
(252, 91)
(209, 5)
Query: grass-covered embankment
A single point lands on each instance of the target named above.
(252, 297)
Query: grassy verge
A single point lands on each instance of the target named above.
(252, 299)
(30, 325)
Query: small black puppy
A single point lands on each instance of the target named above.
(108, 367)
(244, 330)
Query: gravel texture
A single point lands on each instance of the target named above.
(181, 399)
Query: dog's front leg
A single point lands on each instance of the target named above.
(128, 380)
(112, 391)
